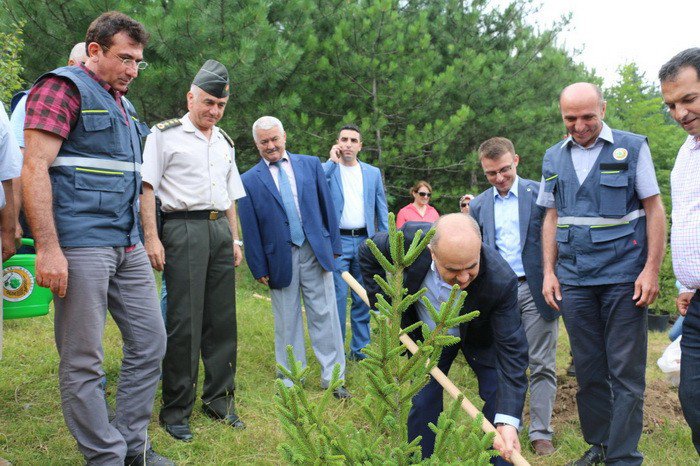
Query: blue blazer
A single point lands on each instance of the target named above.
(376, 210)
(496, 338)
(268, 242)
(531, 215)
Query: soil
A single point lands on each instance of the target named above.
(661, 405)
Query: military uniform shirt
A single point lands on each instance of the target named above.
(190, 172)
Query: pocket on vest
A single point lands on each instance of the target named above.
(99, 192)
(563, 235)
(613, 194)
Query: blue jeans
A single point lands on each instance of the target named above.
(359, 311)
(163, 298)
(677, 329)
(689, 389)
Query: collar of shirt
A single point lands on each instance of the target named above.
(104, 84)
(694, 142)
(189, 127)
(513, 189)
(605, 134)
(284, 157)
(438, 282)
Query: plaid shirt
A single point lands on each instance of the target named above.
(53, 104)
(685, 215)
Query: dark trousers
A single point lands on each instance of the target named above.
(427, 404)
(689, 390)
(608, 336)
(201, 317)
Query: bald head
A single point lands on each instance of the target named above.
(456, 249)
(582, 109)
(78, 54)
(582, 90)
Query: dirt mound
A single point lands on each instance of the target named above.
(661, 405)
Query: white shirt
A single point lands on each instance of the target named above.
(685, 215)
(10, 156)
(506, 219)
(189, 171)
(353, 215)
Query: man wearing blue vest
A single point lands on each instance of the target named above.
(81, 185)
(19, 102)
(360, 206)
(603, 240)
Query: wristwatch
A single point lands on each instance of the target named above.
(238, 242)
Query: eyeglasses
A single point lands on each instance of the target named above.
(129, 62)
(422, 194)
(464, 204)
(502, 171)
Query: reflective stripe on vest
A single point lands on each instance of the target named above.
(601, 221)
(96, 163)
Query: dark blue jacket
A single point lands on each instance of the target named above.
(496, 338)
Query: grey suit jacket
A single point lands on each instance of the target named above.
(531, 215)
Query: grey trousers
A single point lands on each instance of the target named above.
(542, 341)
(315, 284)
(100, 279)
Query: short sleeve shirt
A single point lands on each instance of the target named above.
(584, 158)
(189, 171)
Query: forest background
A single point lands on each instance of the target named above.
(427, 81)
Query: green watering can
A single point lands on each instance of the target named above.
(22, 296)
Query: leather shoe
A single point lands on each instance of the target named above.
(231, 419)
(178, 431)
(542, 447)
(594, 455)
(342, 393)
(150, 458)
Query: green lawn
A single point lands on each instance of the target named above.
(32, 431)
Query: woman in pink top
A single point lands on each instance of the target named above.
(419, 210)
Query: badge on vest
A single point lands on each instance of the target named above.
(620, 154)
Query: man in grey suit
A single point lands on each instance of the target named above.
(511, 223)
(360, 206)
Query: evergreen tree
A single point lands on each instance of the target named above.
(391, 380)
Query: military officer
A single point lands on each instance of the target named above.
(191, 163)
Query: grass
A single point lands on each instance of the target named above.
(32, 430)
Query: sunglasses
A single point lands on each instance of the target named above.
(464, 204)
(421, 194)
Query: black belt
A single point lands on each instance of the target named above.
(194, 215)
(522, 279)
(354, 232)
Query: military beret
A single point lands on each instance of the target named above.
(212, 78)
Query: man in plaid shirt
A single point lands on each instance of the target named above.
(680, 86)
(81, 184)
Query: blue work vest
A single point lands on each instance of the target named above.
(96, 176)
(601, 230)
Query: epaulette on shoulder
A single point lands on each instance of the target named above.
(167, 124)
(227, 137)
